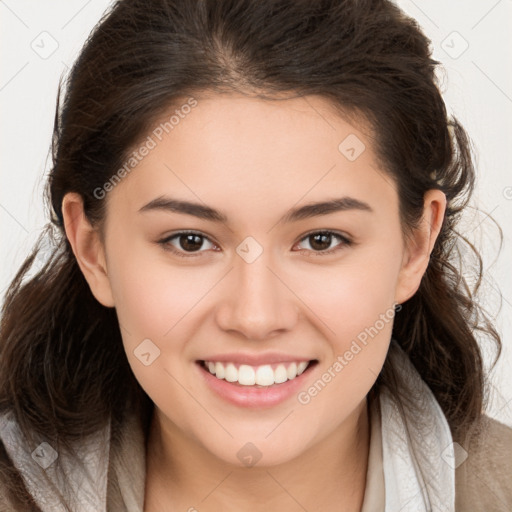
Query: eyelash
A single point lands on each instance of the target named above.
(165, 243)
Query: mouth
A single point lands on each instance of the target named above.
(255, 387)
(262, 376)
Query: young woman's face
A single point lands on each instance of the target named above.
(261, 283)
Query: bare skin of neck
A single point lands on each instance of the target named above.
(329, 477)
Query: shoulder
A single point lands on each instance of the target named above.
(483, 476)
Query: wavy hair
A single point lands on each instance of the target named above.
(63, 370)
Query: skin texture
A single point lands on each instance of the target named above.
(254, 160)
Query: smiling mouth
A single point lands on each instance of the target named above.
(262, 376)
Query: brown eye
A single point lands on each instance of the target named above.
(185, 242)
(321, 242)
(190, 242)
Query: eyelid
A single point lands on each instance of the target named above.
(341, 234)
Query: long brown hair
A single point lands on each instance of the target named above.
(63, 370)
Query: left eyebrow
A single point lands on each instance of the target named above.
(295, 214)
(324, 208)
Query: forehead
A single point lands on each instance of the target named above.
(233, 150)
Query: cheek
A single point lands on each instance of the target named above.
(354, 302)
(151, 291)
(152, 305)
(356, 312)
(156, 304)
(351, 296)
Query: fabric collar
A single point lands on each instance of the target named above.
(417, 447)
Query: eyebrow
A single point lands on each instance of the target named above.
(295, 214)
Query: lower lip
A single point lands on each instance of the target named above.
(251, 396)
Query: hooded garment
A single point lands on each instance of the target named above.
(414, 465)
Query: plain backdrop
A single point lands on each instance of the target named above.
(40, 40)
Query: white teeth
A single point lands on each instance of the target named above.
(301, 367)
(231, 373)
(280, 374)
(246, 375)
(219, 370)
(291, 372)
(264, 375)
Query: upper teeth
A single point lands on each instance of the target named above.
(264, 375)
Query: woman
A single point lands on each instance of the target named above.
(252, 304)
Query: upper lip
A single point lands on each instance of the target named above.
(256, 359)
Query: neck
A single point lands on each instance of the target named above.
(181, 474)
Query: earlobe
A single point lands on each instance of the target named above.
(87, 248)
(420, 244)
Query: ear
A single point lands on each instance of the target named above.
(419, 245)
(87, 248)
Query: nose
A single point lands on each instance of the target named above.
(258, 303)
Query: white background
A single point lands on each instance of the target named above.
(477, 87)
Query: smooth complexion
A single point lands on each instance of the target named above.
(254, 160)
